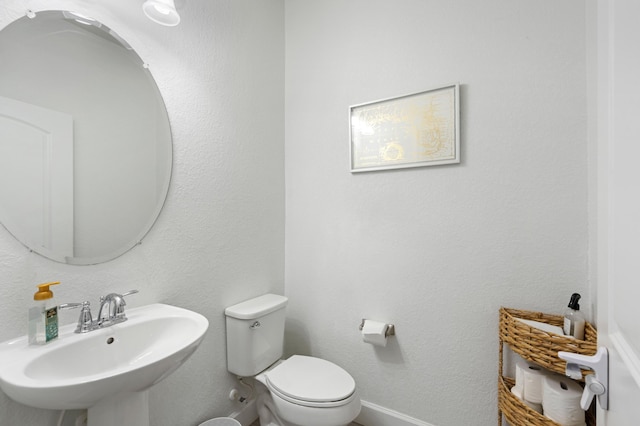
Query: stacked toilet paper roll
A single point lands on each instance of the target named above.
(528, 388)
(561, 400)
(555, 396)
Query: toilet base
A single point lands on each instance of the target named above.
(269, 406)
(266, 412)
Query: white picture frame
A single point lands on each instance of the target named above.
(415, 130)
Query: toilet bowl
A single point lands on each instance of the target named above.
(298, 391)
(306, 391)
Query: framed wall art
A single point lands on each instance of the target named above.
(416, 130)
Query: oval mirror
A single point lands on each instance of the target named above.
(85, 142)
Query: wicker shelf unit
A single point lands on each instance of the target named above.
(539, 347)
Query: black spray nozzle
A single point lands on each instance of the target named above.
(573, 303)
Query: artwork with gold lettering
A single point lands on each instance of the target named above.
(416, 130)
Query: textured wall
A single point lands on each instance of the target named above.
(220, 237)
(434, 250)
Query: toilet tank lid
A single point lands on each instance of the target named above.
(256, 307)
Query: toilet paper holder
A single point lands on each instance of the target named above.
(389, 331)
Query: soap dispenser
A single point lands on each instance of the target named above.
(574, 319)
(43, 316)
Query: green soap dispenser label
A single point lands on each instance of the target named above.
(51, 323)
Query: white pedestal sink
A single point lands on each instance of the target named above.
(108, 371)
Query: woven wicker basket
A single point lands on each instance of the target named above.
(514, 411)
(518, 414)
(541, 348)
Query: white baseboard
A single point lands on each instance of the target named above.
(375, 415)
(370, 415)
(247, 415)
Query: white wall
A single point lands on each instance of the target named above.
(220, 237)
(436, 250)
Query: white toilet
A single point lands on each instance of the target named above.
(299, 391)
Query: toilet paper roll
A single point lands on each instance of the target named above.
(531, 377)
(520, 367)
(374, 332)
(561, 400)
(518, 393)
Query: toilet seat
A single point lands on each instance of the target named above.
(311, 382)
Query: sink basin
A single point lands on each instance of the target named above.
(81, 370)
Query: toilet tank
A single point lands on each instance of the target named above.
(255, 334)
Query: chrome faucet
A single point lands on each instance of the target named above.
(111, 312)
(112, 308)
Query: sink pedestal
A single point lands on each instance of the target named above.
(125, 408)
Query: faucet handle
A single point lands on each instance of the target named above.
(69, 305)
(85, 321)
(112, 308)
(119, 304)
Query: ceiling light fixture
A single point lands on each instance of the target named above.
(162, 12)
